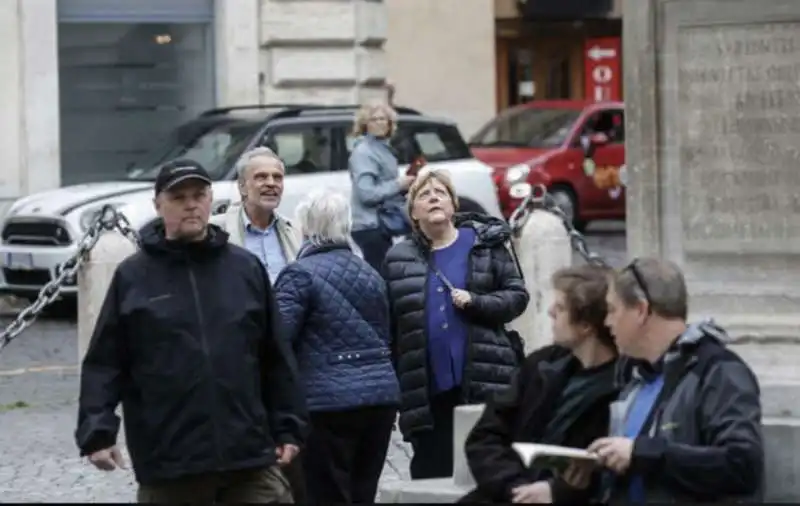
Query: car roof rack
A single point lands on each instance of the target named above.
(288, 109)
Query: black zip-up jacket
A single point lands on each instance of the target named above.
(498, 297)
(188, 340)
(522, 415)
(702, 441)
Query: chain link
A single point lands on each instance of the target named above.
(108, 219)
(540, 199)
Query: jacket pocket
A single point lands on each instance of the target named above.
(357, 357)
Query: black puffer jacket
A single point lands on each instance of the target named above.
(499, 296)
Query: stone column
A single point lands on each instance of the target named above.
(236, 44)
(712, 93)
(29, 99)
(322, 51)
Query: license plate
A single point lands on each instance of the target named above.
(19, 261)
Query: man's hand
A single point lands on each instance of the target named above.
(108, 459)
(286, 453)
(461, 298)
(578, 474)
(533, 493)
(613, 452)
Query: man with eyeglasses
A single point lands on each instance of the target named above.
(687, 427)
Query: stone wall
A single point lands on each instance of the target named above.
(713, 147)
(328, 51)
(441, 57)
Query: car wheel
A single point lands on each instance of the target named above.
(565, 199)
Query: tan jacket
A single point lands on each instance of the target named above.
(233, 224)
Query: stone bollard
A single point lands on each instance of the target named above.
(543, 247)
(439, 490)
(464, 419)
(93, 280)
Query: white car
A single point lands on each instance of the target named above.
(41, 231)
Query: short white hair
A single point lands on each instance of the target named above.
(324, 217)
(246, 160)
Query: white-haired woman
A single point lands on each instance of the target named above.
(378, 189)
(335, 311)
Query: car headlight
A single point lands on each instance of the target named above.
(88, 216)
(517, 173)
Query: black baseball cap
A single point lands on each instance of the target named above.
(177, 171)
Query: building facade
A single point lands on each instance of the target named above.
(469, 59)
(89, 85)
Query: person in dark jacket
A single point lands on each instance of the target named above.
(189, 340)
(561, 397)
(453, 286)
(687, 428)
(336, 315)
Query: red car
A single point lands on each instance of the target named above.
(576, 149)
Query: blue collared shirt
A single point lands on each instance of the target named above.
(266, 245)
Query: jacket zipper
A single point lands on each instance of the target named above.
(207, 353)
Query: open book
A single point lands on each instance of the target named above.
(556, 458)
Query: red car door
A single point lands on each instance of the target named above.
(601, 192)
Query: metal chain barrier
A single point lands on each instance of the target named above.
(108, 219)
(540, 199)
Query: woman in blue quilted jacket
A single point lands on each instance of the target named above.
(335, 310)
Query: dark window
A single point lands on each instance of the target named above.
(610, 122)
(559, 81)
(304, 149)
(530, 127)
(216, 147)
(433, 141)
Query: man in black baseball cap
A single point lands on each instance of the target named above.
(183, 199)
(190, 341)
(178, 171)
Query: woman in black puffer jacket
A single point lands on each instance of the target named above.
(452, 287)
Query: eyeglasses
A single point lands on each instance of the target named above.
(637, 275)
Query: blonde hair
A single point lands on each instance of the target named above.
(365, 113)
(424, 177)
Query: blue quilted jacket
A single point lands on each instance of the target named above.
(335, 310)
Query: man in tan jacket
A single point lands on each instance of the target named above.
(254, 224)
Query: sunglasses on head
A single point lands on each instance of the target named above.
(637, 276)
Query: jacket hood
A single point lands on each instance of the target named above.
(705, 331)
(154, 241)
(490, 231)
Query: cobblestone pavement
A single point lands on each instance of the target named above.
(38, 389)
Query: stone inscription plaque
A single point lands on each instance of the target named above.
(739, 120)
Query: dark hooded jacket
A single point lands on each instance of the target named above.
(188, 339)
(702, 441)
(498, 297)
(523, 413)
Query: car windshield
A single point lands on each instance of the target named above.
(529, 127)
(216, 146)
